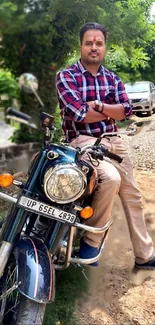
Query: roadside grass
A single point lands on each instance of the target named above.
(124, 124)
(70, 284)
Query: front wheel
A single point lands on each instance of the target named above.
(30, 312)
(16, 309)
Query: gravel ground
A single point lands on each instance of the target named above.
(142, 145)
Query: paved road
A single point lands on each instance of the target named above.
(6, 132)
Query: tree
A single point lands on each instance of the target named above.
(38, 46)
(149, 72)
(127, 35)
(7, 10)
(44, 36)
(8, 89)
(30, 51)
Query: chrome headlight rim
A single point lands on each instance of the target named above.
(56, 168)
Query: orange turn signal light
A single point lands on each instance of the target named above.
(86, 212)
(6, 180)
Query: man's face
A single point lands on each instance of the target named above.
(93, 47)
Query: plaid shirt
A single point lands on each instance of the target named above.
(75, 87)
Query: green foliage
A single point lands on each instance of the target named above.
(139, 59)
(116, 57)
(118, 61)
(57, 123)
(124, 124)
(7, 9)
(8, 89)
(126, 45)
(26, 134)
(148, 73)
(31, 50)
(8, 84)
(66, 17)
(44, 35)
(128, 36)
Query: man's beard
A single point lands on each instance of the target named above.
(91, 61)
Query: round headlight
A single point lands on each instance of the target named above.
(64, 183)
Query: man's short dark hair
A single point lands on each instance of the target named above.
(89, 26)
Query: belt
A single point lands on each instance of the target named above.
(111, 135)
(99, 138)
(106, 136)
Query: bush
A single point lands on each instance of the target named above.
(57, 123)
(8, 84)
(9, 89)
(26, 134)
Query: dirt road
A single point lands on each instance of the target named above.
(116, 295)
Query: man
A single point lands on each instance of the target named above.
(91, 98)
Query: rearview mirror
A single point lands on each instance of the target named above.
(28, 82)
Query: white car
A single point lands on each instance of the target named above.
(142, 96)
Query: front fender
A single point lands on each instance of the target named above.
(35, 272)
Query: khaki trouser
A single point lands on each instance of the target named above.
(114, 181)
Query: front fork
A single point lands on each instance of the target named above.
(10, 230)
(5, 251)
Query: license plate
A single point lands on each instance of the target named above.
(46, 210)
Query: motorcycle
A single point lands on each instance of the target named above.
(46, 220)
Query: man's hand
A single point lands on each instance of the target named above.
(91, 104)
(93, 116)
(115, 111)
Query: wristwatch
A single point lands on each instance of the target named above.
(98, 106)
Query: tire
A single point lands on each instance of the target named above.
(14, 307)
(30, 312)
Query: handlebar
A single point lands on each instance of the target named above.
(13, 112)
(20, 117)
(99, 152)
(110, 154)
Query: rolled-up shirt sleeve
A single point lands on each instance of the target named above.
(70, 97)
(121, 96)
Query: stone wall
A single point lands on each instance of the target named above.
(16, 158)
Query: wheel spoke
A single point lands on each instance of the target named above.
(9, 295)
(12, 309)
(9, 291)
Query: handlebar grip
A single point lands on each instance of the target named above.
(113, 156)
(110, 154)
(13, 112)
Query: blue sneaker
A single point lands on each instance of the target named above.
(150, 265)
(87, 251)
